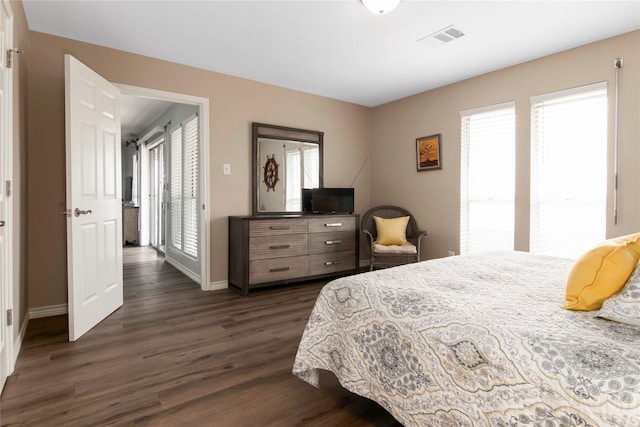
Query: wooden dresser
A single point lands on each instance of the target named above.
(274, 250)
(130, 232)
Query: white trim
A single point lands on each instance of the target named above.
(184, 270)
(155, 142)
(217, 286)
(568, 92)
(7, 282)
(144, 182)
(203, 117)
(17, 343)
(488, 108)
(152, 134)
(48, 311)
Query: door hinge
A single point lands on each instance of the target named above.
(9, 317)
(7, 185)
(10, 52)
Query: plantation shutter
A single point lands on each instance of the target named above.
(568, 170)
(176, 189)
(190, 190)
(487, 184)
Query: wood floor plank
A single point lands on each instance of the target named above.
(174, 355)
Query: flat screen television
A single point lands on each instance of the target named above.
(327, 200)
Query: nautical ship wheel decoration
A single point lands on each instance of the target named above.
(271, 173)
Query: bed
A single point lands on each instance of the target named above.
(473, 341)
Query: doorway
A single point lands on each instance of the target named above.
(154, 157)
(94, 175)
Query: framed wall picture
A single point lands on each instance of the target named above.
(428, 152)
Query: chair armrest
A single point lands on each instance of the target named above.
(369, 237)
(419, 237)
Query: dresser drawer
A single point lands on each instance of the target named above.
(271, 270)
(329, 223)
(277, 246)
(336, 241)
(273, 250)
(331, 262)
(276, 227)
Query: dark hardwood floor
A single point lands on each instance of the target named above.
(176, 356)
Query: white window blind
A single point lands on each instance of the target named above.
(293, 180)
(176, 189)
(302, 171)
(568, 170)
(190, 190)
(311, 156)
(487, 182)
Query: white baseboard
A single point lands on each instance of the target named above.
(48, 311)
(17, 343)
(216, 286)
(184, 270)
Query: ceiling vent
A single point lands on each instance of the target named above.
(442, 37)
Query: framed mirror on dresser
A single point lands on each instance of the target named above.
(279, 243)
(285, 160)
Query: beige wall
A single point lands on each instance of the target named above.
(234, 104)
(19, 249)
(433, 196)
(377, 140)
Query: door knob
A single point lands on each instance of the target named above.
(2, 223)
(79, 212)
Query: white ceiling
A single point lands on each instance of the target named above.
(336, 48)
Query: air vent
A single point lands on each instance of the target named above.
(442, 37)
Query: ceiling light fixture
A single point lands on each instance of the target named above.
(380, 6)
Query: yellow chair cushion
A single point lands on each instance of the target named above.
(391, 231)
(602, 272)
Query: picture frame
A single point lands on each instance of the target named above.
(428, 151)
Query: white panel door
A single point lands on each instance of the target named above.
(5, 205)
(94, 216)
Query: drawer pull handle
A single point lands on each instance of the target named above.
(277, 270)
(334, 224)
(332, 262)
(279, 227)
(333, 242)
(279, 246)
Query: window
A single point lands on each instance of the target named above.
(311, 155)
(487, 182)
(185, 187)
(293, 181)
(568, 170)
(302, 171)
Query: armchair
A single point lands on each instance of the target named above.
(382, 257)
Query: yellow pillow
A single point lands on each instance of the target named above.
(602, 272)
(391, 231)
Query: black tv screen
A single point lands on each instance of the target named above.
(331, 200)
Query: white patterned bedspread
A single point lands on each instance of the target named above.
(474, 341)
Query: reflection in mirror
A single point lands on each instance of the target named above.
(286, 161)
(287, 168)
